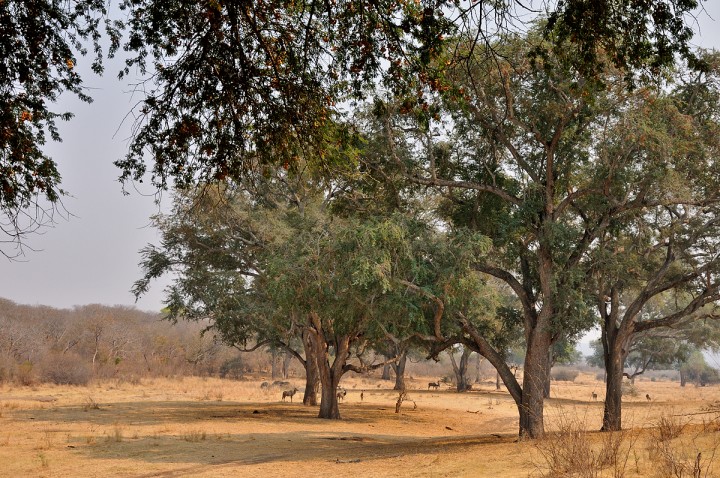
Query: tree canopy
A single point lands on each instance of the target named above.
(40, 43)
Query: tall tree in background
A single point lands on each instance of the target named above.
(658, 261)
(215, 243)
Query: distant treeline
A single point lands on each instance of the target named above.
(73, 346)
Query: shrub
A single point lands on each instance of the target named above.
(565, 374)
(629, 389)
(574, 452)
(25, 373)
(66, 369)
(232, 368)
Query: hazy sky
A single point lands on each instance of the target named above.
(93, 257)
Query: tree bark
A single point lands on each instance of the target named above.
(312, 377)
(612, 414)
(532, 423)
(330, 374)
(399, 368)
(460, 369)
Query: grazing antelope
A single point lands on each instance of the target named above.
(647, 395)
(341, 395)
(433, 385)
(289, 393)
(594, 397)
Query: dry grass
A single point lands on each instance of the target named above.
(215, 428)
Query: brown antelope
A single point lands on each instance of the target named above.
(647, 395)
(433, 385)
(341, 395)
(289, 393)
(594, 397)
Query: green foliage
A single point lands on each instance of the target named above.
(696, 369)
(633, 34)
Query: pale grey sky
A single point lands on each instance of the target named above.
(93, 257)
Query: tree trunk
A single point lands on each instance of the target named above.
(330, 374)
(612, 414)
(613, 341)
(546, 388)
(461, 368)
(328, 402)
(532, 424)
(683, 379)
(399, 368)
(478, 359)
(386, 372)
(312, 377)
(273, 364)
(497, 380)
(287, 358)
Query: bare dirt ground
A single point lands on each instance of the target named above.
(216, 428)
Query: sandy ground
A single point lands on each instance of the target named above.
(217, 428)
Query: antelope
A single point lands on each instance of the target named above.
(647, 395)
(434, 385)
(289, 393)
(341, 395)
(594, 396)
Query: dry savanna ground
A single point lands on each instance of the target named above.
(214, 428)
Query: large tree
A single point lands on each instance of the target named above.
(214, 243)
(521, 151)
(657, 263)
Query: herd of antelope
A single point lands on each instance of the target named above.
(342, 393)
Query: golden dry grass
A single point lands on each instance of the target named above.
(214, 428)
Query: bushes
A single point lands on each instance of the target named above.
(562, 374)
(65, 369)
(232, 368)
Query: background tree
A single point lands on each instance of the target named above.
(657, 263)
(697, 370)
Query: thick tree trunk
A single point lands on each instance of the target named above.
(312, 377)
(497, 381)
(683, 379)
(532, 424)
(612, 414)
(330, 374)
(328, 402)
(399, 368)
(461, 368)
